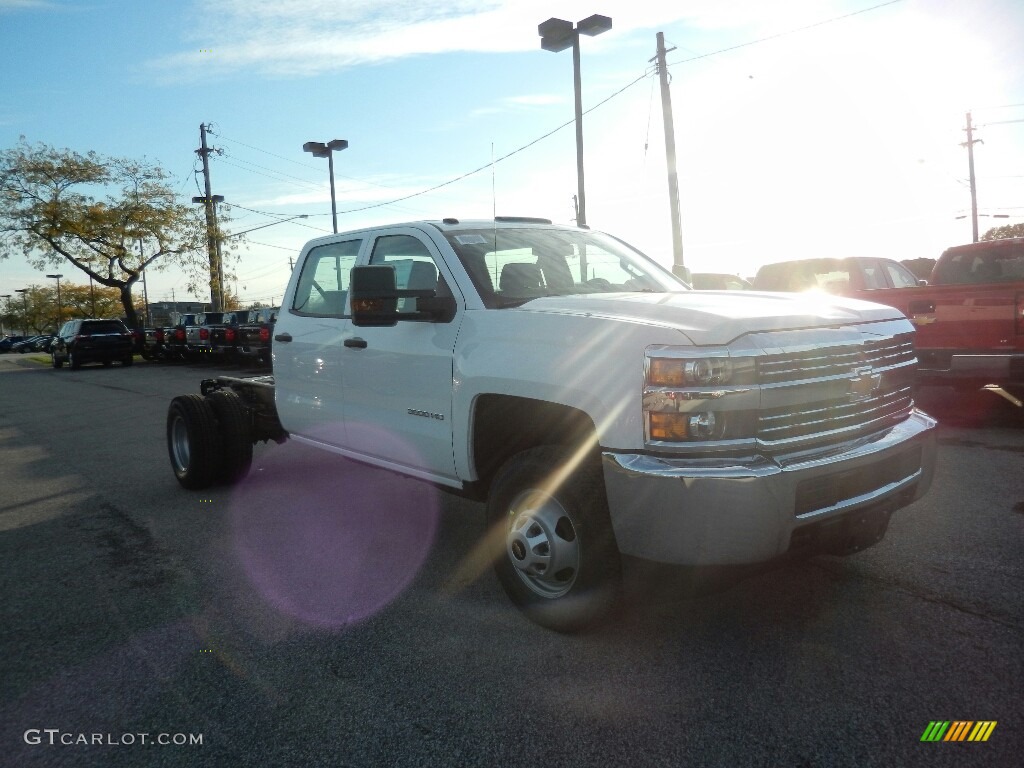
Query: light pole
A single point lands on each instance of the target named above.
(60, 314)
(557, 35)
(24, 304)
(319, 149)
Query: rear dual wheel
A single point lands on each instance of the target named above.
(209, 439)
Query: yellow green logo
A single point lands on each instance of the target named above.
(958, 730)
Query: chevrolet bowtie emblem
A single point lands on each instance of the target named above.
(922, 319)
(865, 382)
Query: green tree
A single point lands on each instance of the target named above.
(108, 217)
(37, 312)
(1003, 232)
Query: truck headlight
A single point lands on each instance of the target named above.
(678, 427)
(700, 395)
(678, 372)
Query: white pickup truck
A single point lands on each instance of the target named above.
(607, 414)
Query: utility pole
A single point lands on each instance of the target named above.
(678, 267)
(212, 231)
(145, 293)
(971, 141)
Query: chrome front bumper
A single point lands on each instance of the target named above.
(694, 513)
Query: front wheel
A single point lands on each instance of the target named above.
(57, 362)
(193, 441)
(559, 563)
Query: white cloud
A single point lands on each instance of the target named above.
(24, 5)
(511, 103)
(294, 38)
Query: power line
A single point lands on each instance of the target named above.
(499, 159)
(279, 247)
(786, 33)
(296, 180)
(284, 216)
(585, 112)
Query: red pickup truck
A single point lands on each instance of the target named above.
(969, 316)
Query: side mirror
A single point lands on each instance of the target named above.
(375, 300)
(374, 296)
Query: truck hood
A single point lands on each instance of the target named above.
(717, 317)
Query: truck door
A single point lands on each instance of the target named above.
(307, 345)
(398, 379)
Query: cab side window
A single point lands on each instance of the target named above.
(323, 284)
(873, 277)
(901, 277)
(415, 268)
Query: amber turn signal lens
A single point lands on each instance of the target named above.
(669, 426)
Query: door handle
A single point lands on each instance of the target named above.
(355, 343)
(283, 337)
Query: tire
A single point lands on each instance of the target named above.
(545, 528)
(56, 363)
(73, 362)
(127, 361)
(236, 433)
(193, 441)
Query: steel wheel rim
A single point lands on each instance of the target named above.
(542, 544)
(179, 445)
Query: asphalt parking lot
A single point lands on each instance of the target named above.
(323, 613)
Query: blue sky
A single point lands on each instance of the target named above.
(795, 137)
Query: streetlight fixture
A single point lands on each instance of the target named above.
(24, 304)
(557, 35)
(319, 149)
(60, 314)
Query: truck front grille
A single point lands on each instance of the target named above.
(837, 418)
(839, 360)
(835, 392)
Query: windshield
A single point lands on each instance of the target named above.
(511, 266)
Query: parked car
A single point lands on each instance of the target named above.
(25, 345)
(858, 277)
(714, 281)
(200, 333)
(254, 335)
(970, 316)
(8, 342)
(224, 335)
(42, 344)
(175, 343)
(92, 341)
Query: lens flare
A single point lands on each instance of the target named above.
(329, 541)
